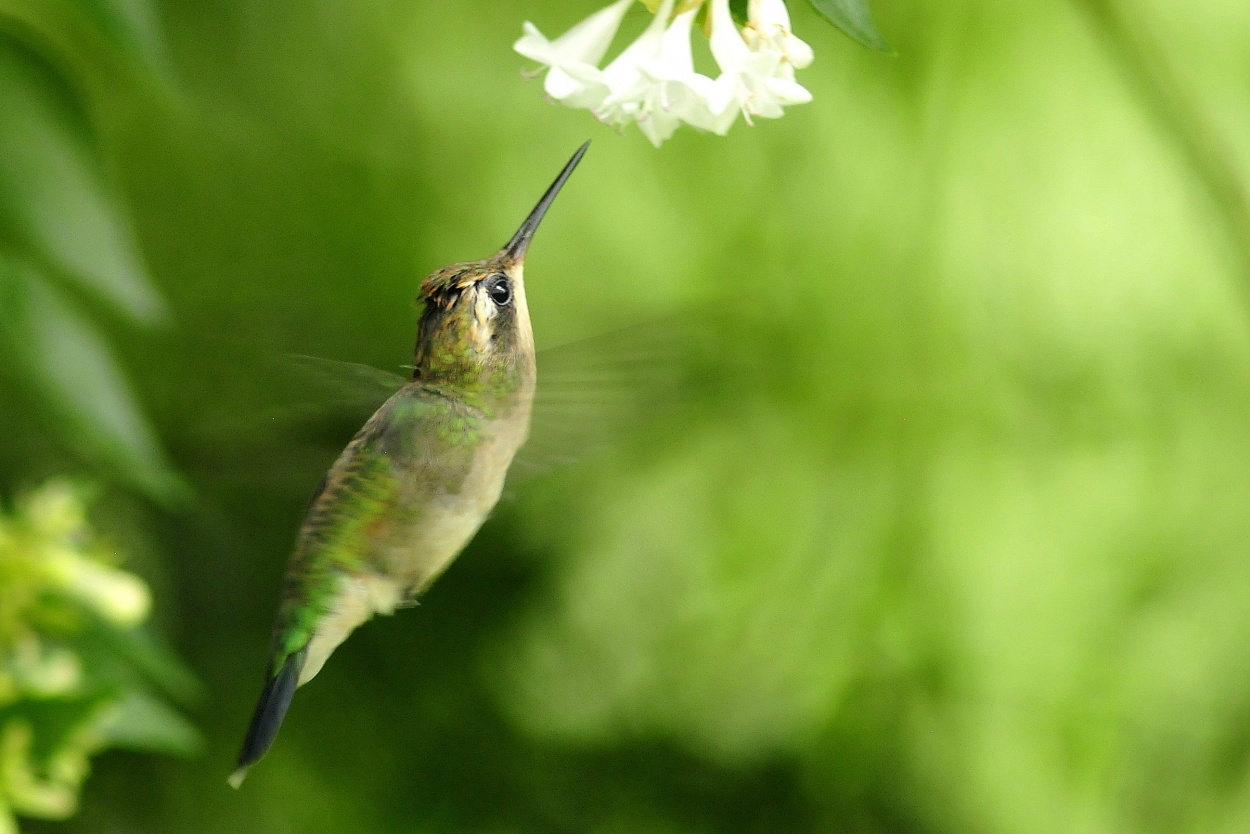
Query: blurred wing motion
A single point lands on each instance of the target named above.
(594, 391)
(590, 392)
(349, 383)
(345, 389)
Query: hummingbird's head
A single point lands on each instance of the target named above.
(475, 325)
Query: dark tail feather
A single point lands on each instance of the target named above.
(274, 701)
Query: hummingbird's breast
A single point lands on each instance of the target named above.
(452, 474)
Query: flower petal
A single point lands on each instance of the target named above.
(786, 91)
(768, 13)
(576, 85)
(586, 42)
(630, 88)
(728, 47)
(768, 29)
(658, 125)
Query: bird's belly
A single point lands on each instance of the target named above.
(418, 554)
(439, 526)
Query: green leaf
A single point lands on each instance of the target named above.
(127, 28)
(55, 206)
(133, 27)
(141, 722)
(73, 367)
(58, 722)
(855, 20)
(141, 654)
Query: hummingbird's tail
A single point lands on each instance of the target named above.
(274, 701)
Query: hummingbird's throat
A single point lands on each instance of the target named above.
(470, 362)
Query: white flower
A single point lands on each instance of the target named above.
(759, 81)
(574, 78)
(768, 30)
(624, 76)
(678, 91)
(654, 82)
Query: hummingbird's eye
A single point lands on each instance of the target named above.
(499, 290)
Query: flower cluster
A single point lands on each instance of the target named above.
(72, 665)
(653, 82)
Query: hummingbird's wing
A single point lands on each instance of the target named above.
(589, 393)
(348, 383)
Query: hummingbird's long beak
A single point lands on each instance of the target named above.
(514, 250)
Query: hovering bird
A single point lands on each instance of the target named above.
(418, 480)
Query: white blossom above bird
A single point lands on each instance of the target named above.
(653, 82)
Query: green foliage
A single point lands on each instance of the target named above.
(91, 32)
(130, 26)
(56, 206)
(854, 18)
(70, 685)
(61, 228)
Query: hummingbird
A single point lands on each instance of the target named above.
(419, 479)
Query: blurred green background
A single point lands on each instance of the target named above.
(959, 542)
